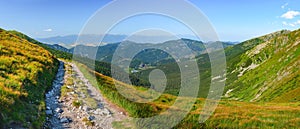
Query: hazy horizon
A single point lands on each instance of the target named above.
(232, 20)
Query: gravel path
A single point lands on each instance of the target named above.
(81, 106)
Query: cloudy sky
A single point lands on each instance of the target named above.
(233, 20)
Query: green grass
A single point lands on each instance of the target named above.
(76, 103)
(276, 79)
(229, 114)
(27, 71)
(277, 73)
(56, 53)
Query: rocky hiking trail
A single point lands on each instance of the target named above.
(74, 103)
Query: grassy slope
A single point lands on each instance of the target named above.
(26, 71)
(277, 75)
(56, 53)
(229, 114)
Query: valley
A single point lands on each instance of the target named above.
(39, 90)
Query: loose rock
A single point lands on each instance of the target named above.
(59, 110)
(65, 120)
(49, 112)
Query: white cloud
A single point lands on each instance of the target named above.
(48, 30)
(285, 23)
(296, 23)
(291, 24)
(283, 6)
(290, 14)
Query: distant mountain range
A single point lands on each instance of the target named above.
(89, 39)
(70, 41)
(149, 56)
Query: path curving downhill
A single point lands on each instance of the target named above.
(74, 103)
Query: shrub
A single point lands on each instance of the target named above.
(76, 103)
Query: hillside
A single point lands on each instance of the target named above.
(57, 50)
(261, 69)
(268, 71)
(229, 114)
(26, 71)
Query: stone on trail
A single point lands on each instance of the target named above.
(97, 111)
(58, 110)
(101, 105)
(49, 112)
(65, 120)
(92, 118)
(85, 108)
(105, 112)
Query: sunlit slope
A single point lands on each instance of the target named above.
(269, 71)
(26, 71)
(61, 53)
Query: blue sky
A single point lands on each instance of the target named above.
(233, 20)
